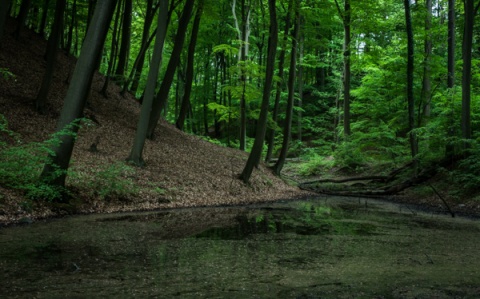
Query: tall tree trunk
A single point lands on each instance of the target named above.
(410, 71)
(300, 89)
(287, 129)
(52, 50)
(280, 84)
(451, 44)
(125, 44)
(190, 68)
(4, 5)
(467, 68)
(243, 36)
(73, 16)
(346, 18)
(149, 15)
(427, 85)
(255, 154)
(43, 22)
(77, 93)
(449, 149)
(22, 17)
(113, 52)
(141, 133)
(162, 97)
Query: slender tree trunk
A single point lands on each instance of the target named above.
(43, 22)
(467, 69)
(73, 16)
(52, 50)
(410, 72)
(150, 13)
(280, 84)
(277, 168)
(162, 97)
(22, 17)
(300, 90)
(141, 133)
(449, 149)
(4, 5)
(77, 93)
(243, 36)
(451, 44)
(427, 85)
(347, 72)
(255, 154)
(125, 44)
(113, 52)
(190, 68)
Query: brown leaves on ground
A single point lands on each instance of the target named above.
(182, 170)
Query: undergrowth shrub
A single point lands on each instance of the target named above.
(467, 174)
(107, 181)
(315, 164)
(21, 164)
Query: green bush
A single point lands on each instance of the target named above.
(315, 164)
(108, 181)
(22, 164)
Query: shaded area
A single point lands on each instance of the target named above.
(322, 248)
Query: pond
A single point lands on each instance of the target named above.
(320, 248)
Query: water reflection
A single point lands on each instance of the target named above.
(309, 249)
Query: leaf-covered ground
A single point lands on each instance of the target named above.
(182, 170)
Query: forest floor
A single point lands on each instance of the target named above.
(181, 170)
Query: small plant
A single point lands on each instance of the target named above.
(6, 74)
(315, 164)
(108, 181)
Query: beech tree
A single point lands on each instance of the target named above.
(287, 129)
(141, 133)
(77, 94)
(52, 47)
(256, 152)
(162, 97)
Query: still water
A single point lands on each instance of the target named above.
(319, 248)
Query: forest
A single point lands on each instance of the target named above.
(381, 92)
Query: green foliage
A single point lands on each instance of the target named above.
(22, 164)
(467, 175)
(6, 74)
(108, 181)
(315, 164)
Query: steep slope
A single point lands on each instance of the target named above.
(182, 170)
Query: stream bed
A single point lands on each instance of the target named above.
(321, 248)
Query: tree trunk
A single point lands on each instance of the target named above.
(161, 100)
(125, 44)
(300, 90)
(449, 149)
(346, 69)
(113, 52)
(255, 154)
(73, 16)
(277, 168)
(190, 68)
(77, 93)
(4, 5)
(427, 85)
(141, 133)
(243, 36)
(410, 71)
(280, 84)
(43, 22)
(141, 56)
(22, 17)
(467, 69)
(52, 50)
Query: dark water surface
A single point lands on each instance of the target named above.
(322, 248)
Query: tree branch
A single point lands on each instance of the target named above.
(340, 11)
